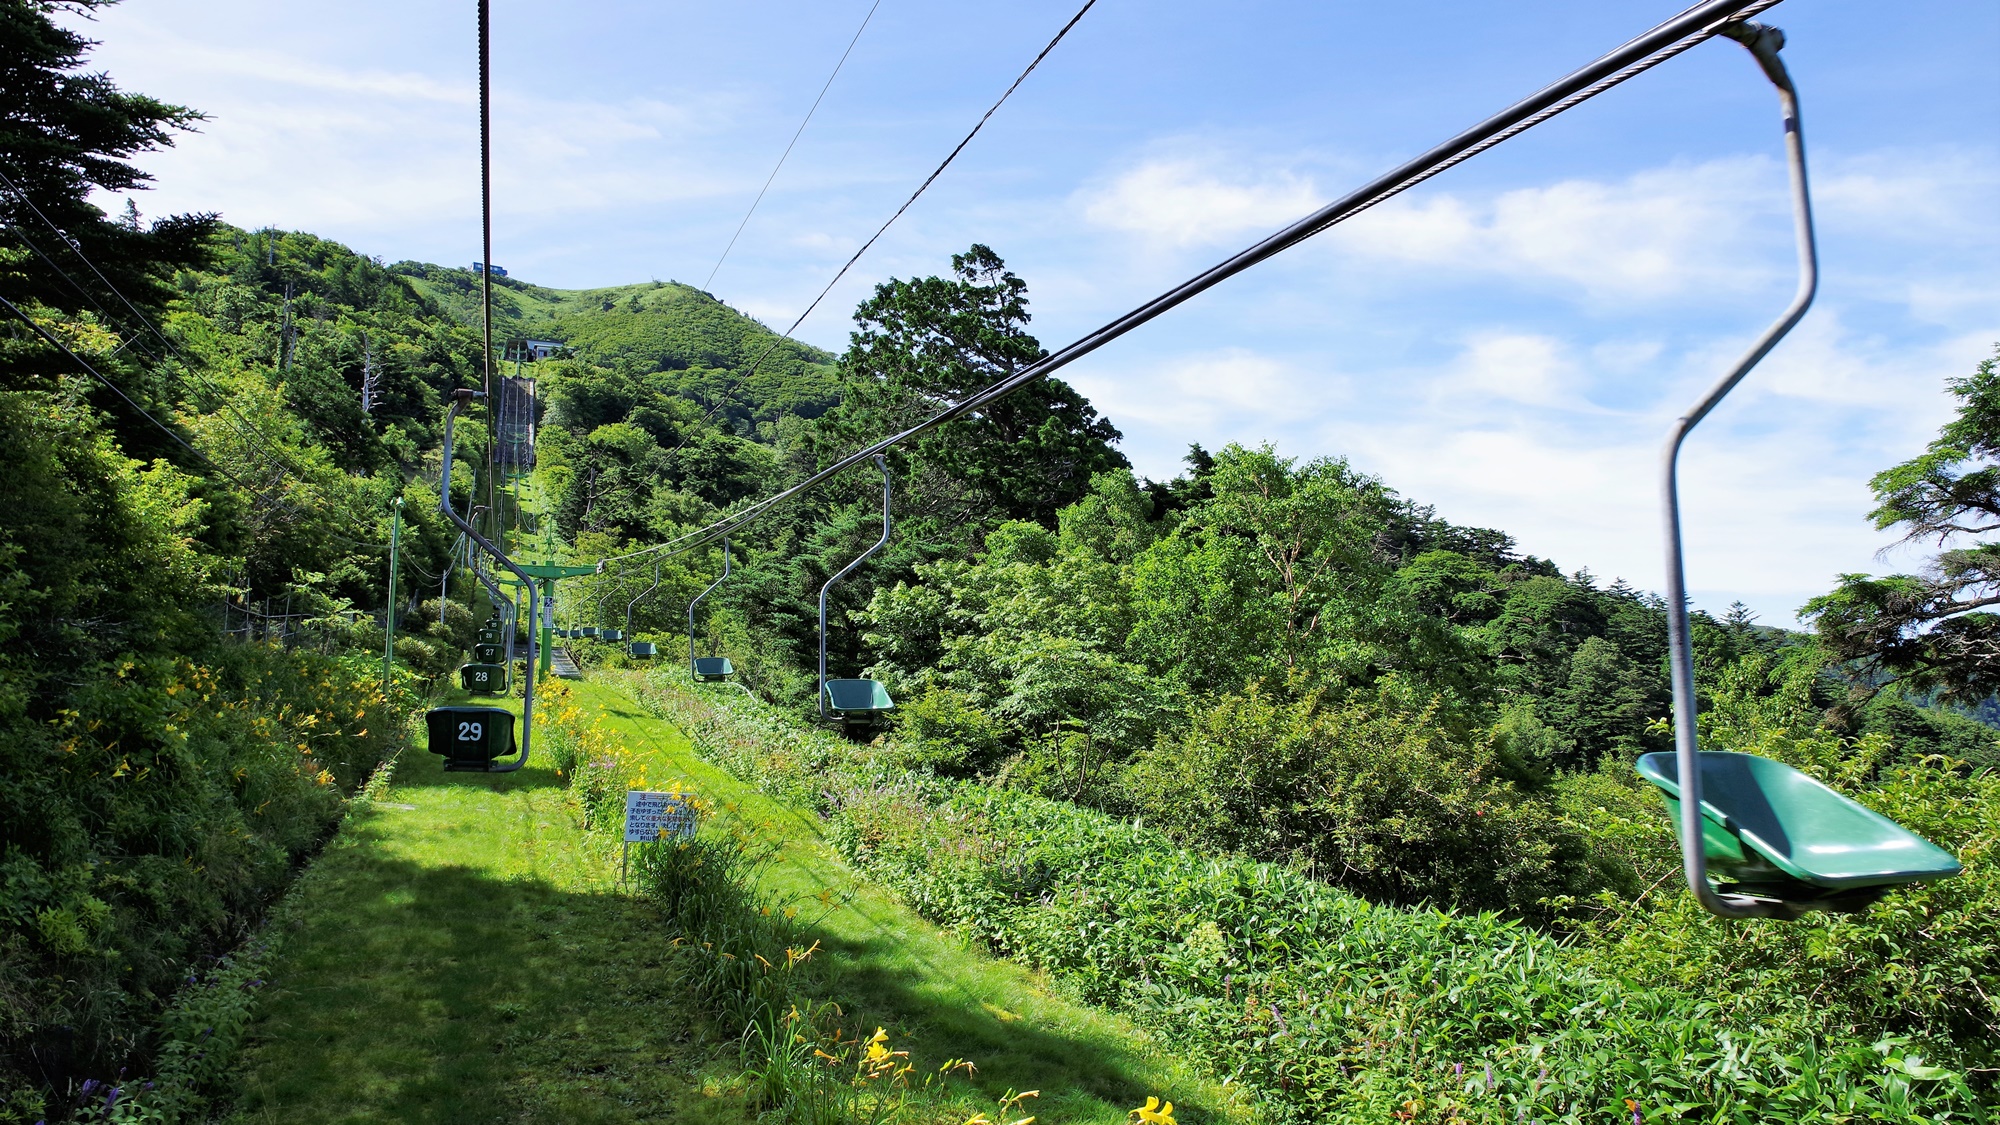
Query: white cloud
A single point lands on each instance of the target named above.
(1709, 229)
(1188, 201)
(1232, 390)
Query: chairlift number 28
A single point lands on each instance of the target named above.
(471, 732)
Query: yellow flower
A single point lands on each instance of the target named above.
(1153, 1113)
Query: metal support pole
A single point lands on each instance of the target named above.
(546, 622)
(1763, 43)
(395, 549)
(882, 464)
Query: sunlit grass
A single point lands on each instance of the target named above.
(467, 958)
(470, 957)
(938, 997)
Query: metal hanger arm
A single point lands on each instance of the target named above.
(1763, 42)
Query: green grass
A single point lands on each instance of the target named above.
(464, 954)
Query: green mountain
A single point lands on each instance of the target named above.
(719, 357)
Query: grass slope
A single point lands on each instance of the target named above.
(707, 350)
(467, 956)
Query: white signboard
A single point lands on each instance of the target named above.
(657, 816)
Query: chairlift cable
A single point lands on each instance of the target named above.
(142, 411)
(242, 424)
(921, 188)
(768, 180)
(1692, 26)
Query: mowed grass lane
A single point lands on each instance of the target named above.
(462, 953)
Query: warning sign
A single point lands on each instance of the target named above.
(657, 816)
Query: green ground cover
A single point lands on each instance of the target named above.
(463, 952)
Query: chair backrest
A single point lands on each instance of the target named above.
(470, 734)
(588, 631)
(858, 695)
(483, 677)
(644, 648)
(611, 635)
(487, 652)
(713, 667)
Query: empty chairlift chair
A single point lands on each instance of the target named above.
(471, 738)
(484, 679)
(1781, 843)
(856, 702)
(709, 669)
(642, 649)
(1780, 836)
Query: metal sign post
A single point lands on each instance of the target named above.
(655, 816)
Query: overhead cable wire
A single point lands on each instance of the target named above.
(921, 188)
(115, 389)
(1678, 34)
(486, 242)
(254, 433)
(795, 140)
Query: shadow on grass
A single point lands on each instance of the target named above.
(418, 993)
(413, 991)
(877, 984)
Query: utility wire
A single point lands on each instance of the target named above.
(114, 388)
(243, 425)
(1681, 33)
(795, 140)
(939, 170)
(921, 188)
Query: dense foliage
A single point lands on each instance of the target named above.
(1337, 1010)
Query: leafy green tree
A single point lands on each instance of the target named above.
(66, 132)
(924, 344)
(1933, 630)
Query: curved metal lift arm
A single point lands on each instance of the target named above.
(502, 603)
(1763, 42)
(707, 592)
(882, 464)
(647, 592)
(458, 400)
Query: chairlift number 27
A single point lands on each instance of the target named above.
(471, 732)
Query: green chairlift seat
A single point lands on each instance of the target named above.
(488, 652)
(484, 678)
(643, 648)
(1780, 834)
(588, 632)
(711, 669)
(470, 738)
(857, 699)
(611, 634)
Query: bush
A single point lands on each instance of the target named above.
(1336, 1009)
(1371, 796)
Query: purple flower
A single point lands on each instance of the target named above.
(89, 1086)
(1458, 1070)
(111, 1099)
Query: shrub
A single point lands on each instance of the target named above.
(1374, 797)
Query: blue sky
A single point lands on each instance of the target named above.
(1506, 342)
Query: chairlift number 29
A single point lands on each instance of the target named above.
(471, 732)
